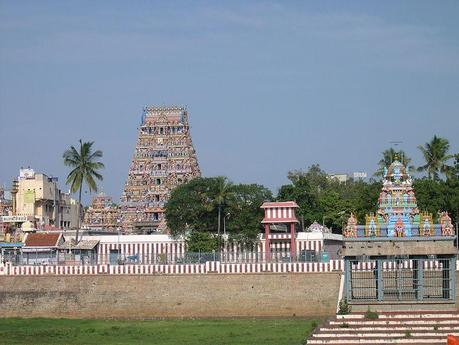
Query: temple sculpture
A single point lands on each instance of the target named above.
(164, 157)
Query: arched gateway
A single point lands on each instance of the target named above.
(399, 255)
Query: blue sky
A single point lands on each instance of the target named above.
(270, 86)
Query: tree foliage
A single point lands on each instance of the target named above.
(195, 206)
(244, 214)
(204, 242)
(388, 156)
(436, 156)
(326, 200)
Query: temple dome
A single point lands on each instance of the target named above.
(316, 227)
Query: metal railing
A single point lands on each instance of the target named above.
(115, 257)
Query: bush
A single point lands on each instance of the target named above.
(344, 307)
(371, 314)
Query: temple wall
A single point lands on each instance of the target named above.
(170, 296)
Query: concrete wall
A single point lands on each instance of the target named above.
(174, 296)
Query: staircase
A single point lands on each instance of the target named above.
(416, 327)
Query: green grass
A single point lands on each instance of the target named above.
(163, 332)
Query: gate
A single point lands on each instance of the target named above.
(400, 279)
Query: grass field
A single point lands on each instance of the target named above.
(169, 332)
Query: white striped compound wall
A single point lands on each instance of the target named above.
(204, 268)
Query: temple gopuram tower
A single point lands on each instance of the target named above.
(164, 157)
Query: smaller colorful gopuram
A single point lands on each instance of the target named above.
(398, 214)
(399, 254)
(102, 214)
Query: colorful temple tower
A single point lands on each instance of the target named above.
(164, 157)
(101, 214)
(399, 254)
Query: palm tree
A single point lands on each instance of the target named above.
(389, 156)
(223, 196)
(436, 155)
(84, 164)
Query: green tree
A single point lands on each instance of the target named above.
(388, 156)
(453, 171)
(322, 199)
(244, 214)
(223, 196)
(436, 156)
(194, 206)
(204, 242)
(190, 207)
(85, 166)
(430, 195)
(451, 195)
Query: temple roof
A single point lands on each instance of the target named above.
(279, 204)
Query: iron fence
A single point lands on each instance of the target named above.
(115, 257)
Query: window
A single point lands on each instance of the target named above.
(158, 181)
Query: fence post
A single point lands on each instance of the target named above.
(420, 276)
(379, 279)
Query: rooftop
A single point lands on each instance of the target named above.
(279, 204)
(42, 240)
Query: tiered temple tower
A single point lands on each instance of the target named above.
(102, 214)
(164, 157)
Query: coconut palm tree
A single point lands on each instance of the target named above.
(389, 156)
(222, 197)
(436, 156)
(85, 165)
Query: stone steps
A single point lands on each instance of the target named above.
(389, 328)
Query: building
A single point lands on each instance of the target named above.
(342, 178)
(399, 255)
(38, 203)
(83, 253)
(6, 209)
(101, 214)
(164, 157)
(41, 248)
(6, 204)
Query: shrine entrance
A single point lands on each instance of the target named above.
(400, 279)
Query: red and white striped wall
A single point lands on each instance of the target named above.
(204, 268)
(142, 249)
